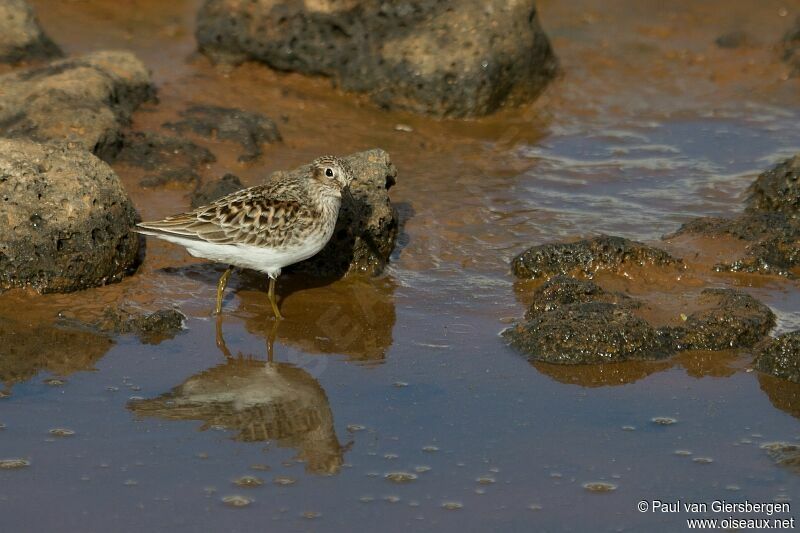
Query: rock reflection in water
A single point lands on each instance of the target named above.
(31, 347)
(783, 394)
(354, 317)
(697, 363)
(260, 400)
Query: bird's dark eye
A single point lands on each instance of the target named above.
(329, 172)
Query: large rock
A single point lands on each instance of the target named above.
(65, 222)
(440, 57)
(781, 357)
(587, 256)
(84, 101)
(21, 38)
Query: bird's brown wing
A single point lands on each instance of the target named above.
(251, 216)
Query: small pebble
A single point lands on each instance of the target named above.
(283, 480)
(452, 506)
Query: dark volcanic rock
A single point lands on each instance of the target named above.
(214, 190)
(250, 130)
(791, 47)
(21, 38)
(778, 189)
(366, 230)
(587, 256)
(781, 357)
(593, 332)
(151, 328)
(66, 221)
(770, 223)
(784, 454)
(84, 101)
(440, 57)
(732, 320)
(563, 290)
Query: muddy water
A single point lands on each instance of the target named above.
(392, 401)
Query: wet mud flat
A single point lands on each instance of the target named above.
(392, 397)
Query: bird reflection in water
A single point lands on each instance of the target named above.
(261, 401)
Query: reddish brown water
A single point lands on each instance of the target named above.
(650, 124)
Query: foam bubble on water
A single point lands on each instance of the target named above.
(400, 477)
(13, 463)
(599, 486)
(248, 481)
(235, 500)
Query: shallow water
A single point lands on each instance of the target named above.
(650, 125)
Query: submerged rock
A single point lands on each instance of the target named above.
(214, 190)
(366, 230)
(781, 357)
(587, 256)
(732, 320)
(250, 130)
(593, 332)
(174, 159)
(21, 37)
(770, 224)
(440, 57)
(67, 222)
(151, 328)
(84, 101)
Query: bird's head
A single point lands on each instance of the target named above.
(332, 173)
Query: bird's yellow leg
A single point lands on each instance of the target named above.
(221, 340)
(223, 281)
(272, 299)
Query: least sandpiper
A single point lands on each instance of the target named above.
(263, 228)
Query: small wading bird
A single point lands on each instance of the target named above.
(263, 228)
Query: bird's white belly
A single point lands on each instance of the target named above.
(267, 260)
